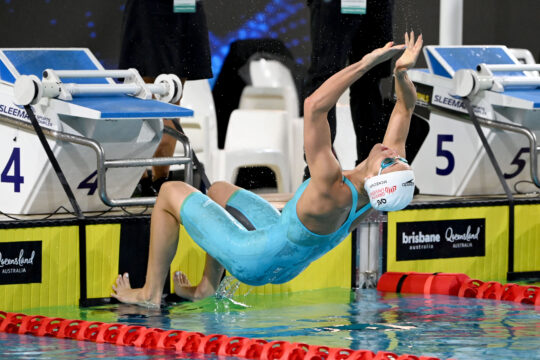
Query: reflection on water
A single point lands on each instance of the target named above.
(441, 326)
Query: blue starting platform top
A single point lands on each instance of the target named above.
(17, 62)
(130, 107)
(446, 60)
(532, 95)
(32, 61)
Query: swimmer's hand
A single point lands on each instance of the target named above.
(410, 55)
(381, 55)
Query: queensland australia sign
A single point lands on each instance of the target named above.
(20, 262)
(440, 239)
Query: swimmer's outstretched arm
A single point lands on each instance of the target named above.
(323, 165)
(398, 125)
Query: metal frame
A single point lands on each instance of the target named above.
(103, 164)
(494, 124)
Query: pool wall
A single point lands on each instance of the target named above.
(484, 240)
(42, 264)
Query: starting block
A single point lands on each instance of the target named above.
(505, 96)
(102, 133)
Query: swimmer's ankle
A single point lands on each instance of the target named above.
(204, 290)
(148, 297)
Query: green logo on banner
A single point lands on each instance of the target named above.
(184, 6)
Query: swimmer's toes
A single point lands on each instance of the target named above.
(125, 278)
(181, 279)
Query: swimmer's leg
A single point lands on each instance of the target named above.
(220, 192)
(213, 272)
(250, 209)
(164, 228)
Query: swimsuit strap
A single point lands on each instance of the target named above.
(353, 215)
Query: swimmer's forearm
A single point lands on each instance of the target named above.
(400, 119)
(405, 92)
(327, 95)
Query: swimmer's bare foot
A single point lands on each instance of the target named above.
(182, 286)
(124, 293)
(184, 289)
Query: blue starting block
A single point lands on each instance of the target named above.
(102, 132)
(505, 96)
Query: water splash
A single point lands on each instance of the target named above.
(227, 288)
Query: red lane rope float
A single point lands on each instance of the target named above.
(457, 285)
(184, 341)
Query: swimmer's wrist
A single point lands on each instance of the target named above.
(400, 73)
(363, 67)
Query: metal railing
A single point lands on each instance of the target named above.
(534, 149)
(102, 164)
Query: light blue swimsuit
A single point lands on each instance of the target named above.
(279, 248)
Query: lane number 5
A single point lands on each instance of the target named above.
(441, 138)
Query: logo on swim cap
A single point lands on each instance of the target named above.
(392, 191)
(378, 183)
(409, 183)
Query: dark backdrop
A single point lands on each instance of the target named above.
(96, 24)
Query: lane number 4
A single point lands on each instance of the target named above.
(12, 171)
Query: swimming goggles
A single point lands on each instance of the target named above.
(387, 162)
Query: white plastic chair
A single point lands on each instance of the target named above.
(273, 88)
(345, 141)
(256, 138)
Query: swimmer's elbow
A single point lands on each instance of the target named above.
(314, 104)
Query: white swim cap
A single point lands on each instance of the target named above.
(392, 191)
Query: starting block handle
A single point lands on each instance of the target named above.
(466, 82)
(91, 73)
(509, 67)
(30, 89)
(108, 89)
(518, 81)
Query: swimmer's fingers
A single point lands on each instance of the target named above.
(381, 55)
(410, 56)
(414, 45)
(419, 43)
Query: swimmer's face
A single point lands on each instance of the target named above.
(378, 153)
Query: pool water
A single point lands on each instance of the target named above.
(440, 326)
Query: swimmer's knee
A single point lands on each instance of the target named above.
(169, 187)
(175, 190)
(215, 187)
(220, 191)
(220, 183)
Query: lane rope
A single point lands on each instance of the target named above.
(457, 285)
(183, 341)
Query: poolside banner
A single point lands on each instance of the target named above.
(440, 239)
(20, 262)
